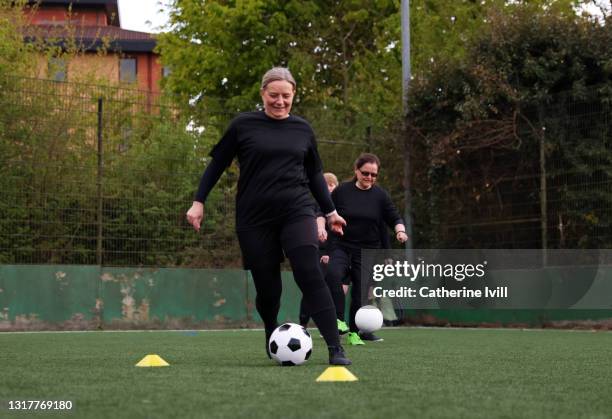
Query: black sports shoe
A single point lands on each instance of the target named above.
(268, 334)
(370, 337)
(337, 356)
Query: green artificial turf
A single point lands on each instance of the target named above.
(420, 373)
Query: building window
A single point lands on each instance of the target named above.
(57, 69)
(166, 71)
(127, 70)
(126, 136)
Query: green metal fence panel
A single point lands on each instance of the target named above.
(34, 294)
(87, 297)
(290, 300)
(173, 297)
(514, 318)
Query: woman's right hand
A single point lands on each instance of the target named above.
(195, 215)
(321, 231)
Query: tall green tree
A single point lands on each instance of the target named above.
(221, 49)
(346, 54)
(16, 56)
(530, 102)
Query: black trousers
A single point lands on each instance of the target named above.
(345, 262)
(262, 249)
(304, 315)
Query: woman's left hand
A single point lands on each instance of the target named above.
(336, 223)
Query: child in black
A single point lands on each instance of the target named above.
(332, 181)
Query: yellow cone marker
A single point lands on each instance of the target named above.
(337, 374)
(152, 361)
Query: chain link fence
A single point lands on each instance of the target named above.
(100, 175)
(541, 178)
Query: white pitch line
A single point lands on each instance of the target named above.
(395, 328)
(25, 332)
(516, 329)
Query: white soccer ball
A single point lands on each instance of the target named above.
(369, 319)
(290, 344)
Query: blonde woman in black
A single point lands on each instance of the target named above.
(280, 172)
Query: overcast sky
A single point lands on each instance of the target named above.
(145, 15)
(142, 15)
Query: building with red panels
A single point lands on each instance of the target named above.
(93, 26)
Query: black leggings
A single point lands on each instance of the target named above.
(304, 313)
(345, 262)
(304, 262)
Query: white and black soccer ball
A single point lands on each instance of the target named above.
(290, 344)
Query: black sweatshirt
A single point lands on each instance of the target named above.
(325, 247)
(365, 212)
(279, 168)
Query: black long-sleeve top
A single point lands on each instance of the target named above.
(279, 168)
(325, 247)
(365, 212)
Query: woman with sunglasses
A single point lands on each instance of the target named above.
(366, 207)
(279, 169)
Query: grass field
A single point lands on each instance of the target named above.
(420, 373)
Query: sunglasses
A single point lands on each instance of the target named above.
(366, 174)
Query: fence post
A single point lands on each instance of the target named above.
(247, 301)
(99, 184)
(543, 192)
(406, 76)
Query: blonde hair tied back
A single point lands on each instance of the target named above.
(277, 74)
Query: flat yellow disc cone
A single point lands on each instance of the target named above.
(152, 361)
(337, 374)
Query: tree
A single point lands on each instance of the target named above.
(536, 80)
(220, 49)
(346, 57)
(15, 55)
